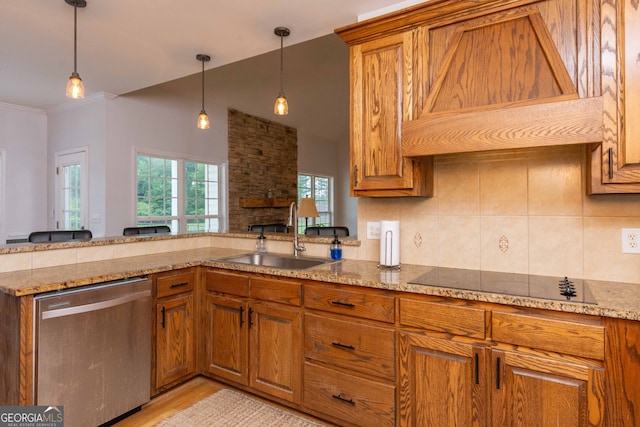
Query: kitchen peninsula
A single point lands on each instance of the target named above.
(585, 350)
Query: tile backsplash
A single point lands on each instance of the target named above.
(521, 211)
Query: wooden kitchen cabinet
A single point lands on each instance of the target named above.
(528, 390)
(614, 165)
(442, 382)
(381, 97)
(350, 368)
(253, 333)
(552, 371)
(457, 76)
(534, 368)
(175, 357)
(443, 376)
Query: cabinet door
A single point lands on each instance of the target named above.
(539, 392)
(615, 164)
(275, 350)
(175, 351)
(380, 101)
(442, 382)
(226, 340)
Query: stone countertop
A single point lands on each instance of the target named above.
(617, 300)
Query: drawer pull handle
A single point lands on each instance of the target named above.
(177, 285)
(343, 304)
(342, 399)
(345, 346)
(162, 320)
(498, 374)
(250, 317)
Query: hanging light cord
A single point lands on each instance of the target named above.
(281, 66)
(75, 36)
(203, 85)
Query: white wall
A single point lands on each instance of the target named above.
(23, 141)
(75, 125)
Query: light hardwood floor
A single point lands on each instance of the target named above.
(180, 398)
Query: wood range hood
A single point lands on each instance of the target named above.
(520, 77)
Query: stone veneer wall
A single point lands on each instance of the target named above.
(263, 161)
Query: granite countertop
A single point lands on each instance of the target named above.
(612, 299)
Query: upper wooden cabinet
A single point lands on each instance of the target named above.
(450, 76)
(614, 165)
(381, 75)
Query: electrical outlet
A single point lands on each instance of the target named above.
(631, 240)
(373, 230)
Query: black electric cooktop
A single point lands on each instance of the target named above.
(527, 285)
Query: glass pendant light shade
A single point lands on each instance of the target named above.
(281, 108)
(203, 120)
(75, 88)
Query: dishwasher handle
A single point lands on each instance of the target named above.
(62, 312)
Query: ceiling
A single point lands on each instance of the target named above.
(128, 45)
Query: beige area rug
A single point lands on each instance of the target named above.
(230, 408)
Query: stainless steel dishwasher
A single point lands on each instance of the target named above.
(93, 350)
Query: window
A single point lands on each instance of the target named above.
(319, 188)
(182, 194)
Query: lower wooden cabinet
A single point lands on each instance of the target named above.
(442, 382)
(275, 350)
(175, 358)
(543, 391)
(533, 368)
(252, 342)
(226, 338)
(350, 349)
(362, 357)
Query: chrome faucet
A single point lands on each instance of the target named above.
(293, 222)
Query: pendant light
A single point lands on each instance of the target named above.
(75, 88)
(203, 119)
(281, 108)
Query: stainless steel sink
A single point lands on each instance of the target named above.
(288, 262)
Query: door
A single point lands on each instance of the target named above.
(442, 382)
(175, 338)
(381, 76)
(71, 211)
(227, 343)
(531, 391)
(276, 350)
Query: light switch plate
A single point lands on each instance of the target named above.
(373, 230)
(631, 240)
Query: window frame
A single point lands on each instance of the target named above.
(312, 192)
(179, 222)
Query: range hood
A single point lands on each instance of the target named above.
(503, 81)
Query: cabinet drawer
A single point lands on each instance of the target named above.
(578, 336)
(277, 290)
(175, 283)
(228, 283)
(355, 400)
(365, 303)
(361, 348)
(443, 317)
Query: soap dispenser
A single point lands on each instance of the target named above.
(336, 248)
(261, 243)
